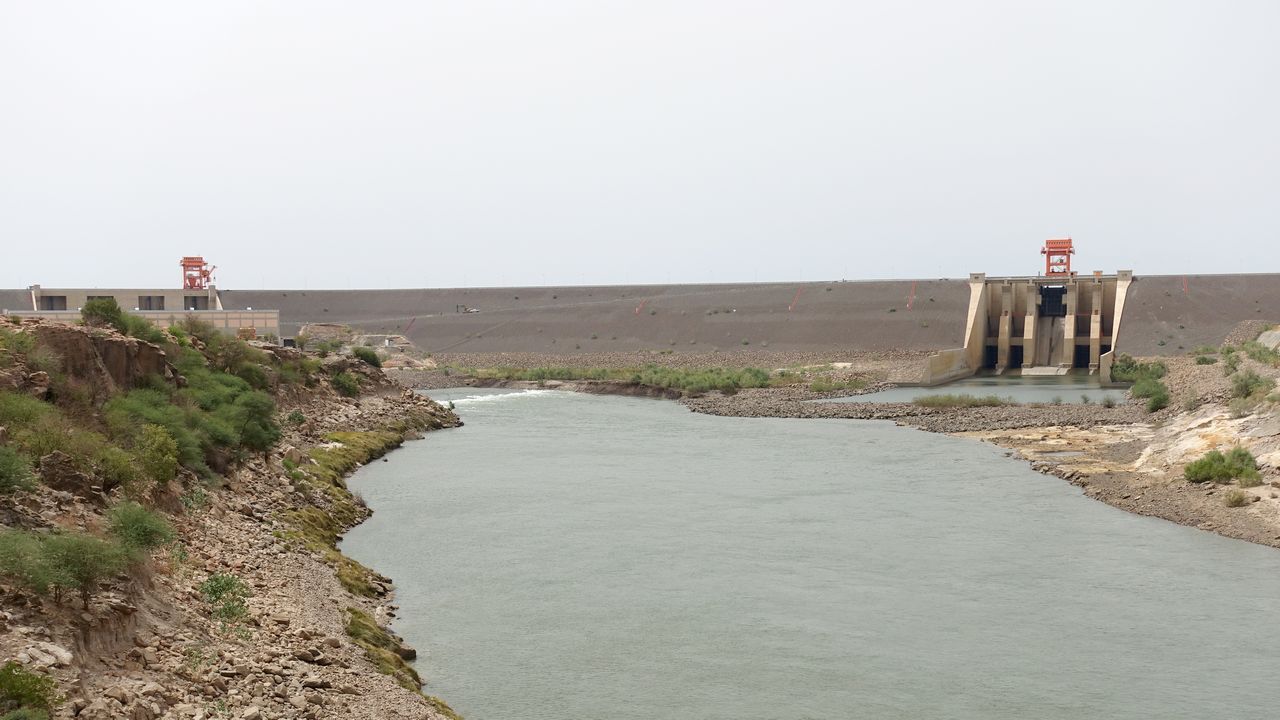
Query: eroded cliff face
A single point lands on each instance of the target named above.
(103, 359)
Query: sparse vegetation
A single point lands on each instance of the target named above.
(1223, 468)
(825, 384)
(46, 563)
(1205, 360)
(952, 401)
(1261, 353)
(1235, 498)
(1249, 384)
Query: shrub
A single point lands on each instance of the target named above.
(1231, 363)
(1261, 353)
(157, 453)
(346, 384)
(1155, 392)
(140, 529)
(1220, 468)
(226, 594)
(296, 417)
(15, 472)
(115, 467)
(21, 689)
(1108, 402)
(1249, 383)
(80, 562)
(369, 356)
(1235, 498)
(1126, 369)
(1205, 360)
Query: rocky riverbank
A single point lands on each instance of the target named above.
(309, 636)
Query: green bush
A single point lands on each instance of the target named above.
(1205, 360)
(14, 345)
(226, 594)
(103, 312)
(1155, 392)
(1249, 384)
(17, 409)
(21, 689)
(1231, 363)
(1220, 468)
(139, 529)
(115, 467)
(367, 355)
(1261, 353)
(15, 472)
(157, 453)
(296, 417)
(346, 384)
(1126, 369)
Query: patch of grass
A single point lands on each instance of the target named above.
(1206, 360)
(382, 649)
(1235, 498)
(953, 401)
(1127, 369)
(1154, 391)
(1261, 353)
(1108, 402)
(823, 385)
(1217, 467)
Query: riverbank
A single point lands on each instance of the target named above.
(246, 610)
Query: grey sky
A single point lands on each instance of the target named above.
(405, 144)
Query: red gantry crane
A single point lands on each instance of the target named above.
(1057, 257)
(196, 273)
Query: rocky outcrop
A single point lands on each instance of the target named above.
(103, 359)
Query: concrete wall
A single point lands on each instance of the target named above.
(128, 298)
(265, 322)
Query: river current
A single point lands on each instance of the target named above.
(582, 557)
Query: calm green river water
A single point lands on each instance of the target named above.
(581, 557)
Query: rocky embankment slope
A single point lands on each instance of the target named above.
(249, 611)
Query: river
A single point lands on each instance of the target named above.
(582, 557)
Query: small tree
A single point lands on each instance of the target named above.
(103, 312)
(258, 428)
(80, 562)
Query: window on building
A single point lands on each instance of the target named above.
(150, 302)
(195, 302)
(53, 302)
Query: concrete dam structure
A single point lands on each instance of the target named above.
(1046, 325)
(1162, 315)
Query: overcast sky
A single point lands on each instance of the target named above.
(408, 144)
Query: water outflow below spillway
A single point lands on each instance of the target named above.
(581, 557)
